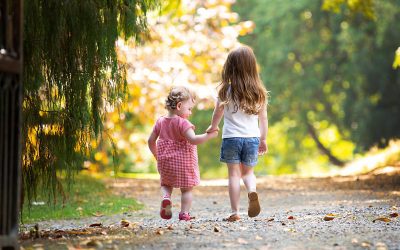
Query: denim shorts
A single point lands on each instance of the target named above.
(240, 150)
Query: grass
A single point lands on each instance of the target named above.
(87, 197)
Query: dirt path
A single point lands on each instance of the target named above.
(292, 217)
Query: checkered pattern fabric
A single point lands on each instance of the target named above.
(177, 163)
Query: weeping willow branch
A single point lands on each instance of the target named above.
(71, 73)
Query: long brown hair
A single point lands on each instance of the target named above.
(241, 83)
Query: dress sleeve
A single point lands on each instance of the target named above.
(185, 125)
(157, 127)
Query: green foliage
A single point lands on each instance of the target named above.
(88, 197)
(71, 74)
(333, 68)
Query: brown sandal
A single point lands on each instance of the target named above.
(232, 218)
(254, 205)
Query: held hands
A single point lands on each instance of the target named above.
(212, 132)
(211, 129)
(263, 147)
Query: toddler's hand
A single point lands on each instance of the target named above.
(212, 134)
(210, 129)
(262, 148)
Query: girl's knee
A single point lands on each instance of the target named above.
(245, 170)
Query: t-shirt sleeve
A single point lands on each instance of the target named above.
(185, 125)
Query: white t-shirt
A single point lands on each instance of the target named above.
(239, 124)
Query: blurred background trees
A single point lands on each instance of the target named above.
(328, 65)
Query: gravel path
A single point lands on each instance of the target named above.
(292, 217)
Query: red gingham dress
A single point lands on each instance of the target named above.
(176, 158)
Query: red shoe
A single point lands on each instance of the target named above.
(165, 210)
(184, 216)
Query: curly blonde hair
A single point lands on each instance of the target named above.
(241, 83)
(178, 94)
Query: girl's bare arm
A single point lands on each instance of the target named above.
(198, 139)
(263, 123)
(216, 118)
(152, 144)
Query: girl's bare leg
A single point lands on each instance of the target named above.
(186, 199)
(234, 186)
(248, 177)
(166, 191)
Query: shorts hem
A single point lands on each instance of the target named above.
(229, 161)
(248, 164)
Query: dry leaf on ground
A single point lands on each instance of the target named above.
(125, 223)
(382, 219)
(329, 218)
(95, 225)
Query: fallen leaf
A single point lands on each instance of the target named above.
(216, 229)
(125, 223)
(366, 244)
(382, 219)
(332, 215)
(393, 215)
(328, 218)
(291, 218)
(95, 225)
(160, 232)
(292, 230)
(271, 219)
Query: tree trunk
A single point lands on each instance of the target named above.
(322, 148)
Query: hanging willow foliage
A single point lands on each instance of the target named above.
(71, 74)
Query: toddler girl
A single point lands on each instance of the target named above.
(242, 102)
(176, 151)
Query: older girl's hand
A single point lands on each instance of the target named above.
(262, 148)
(211, 129)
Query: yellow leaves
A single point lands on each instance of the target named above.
(332, 5)
(396, 62)
(363, 6)
(246, 27)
